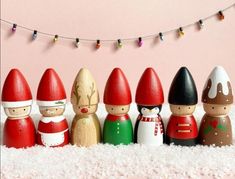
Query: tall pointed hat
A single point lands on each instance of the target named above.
(149, 90)
(84, 91)
(51, 90)
(16, 91)
(217, 89)
(117, 90)
(183, 90)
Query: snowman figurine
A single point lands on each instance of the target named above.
(149, 128)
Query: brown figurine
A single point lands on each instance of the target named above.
(217, 98)
(85, 129)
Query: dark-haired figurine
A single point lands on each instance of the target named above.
(182, 126)
(149, 127)
(217, 98)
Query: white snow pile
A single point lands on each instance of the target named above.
(132, 161)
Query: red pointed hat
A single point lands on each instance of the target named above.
(117, 90)
(149, 90)
(16, 91)
(51, 90)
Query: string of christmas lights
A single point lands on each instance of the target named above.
(119, 42)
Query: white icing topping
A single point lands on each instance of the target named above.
(218, 75)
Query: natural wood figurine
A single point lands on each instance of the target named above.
(85, 129)
(117, 98)
(215, 128)
(19, 129)
(149, 98)
(182, 126)
(51, 97)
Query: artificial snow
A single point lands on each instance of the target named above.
(132, 161)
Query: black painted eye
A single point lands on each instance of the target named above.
(224, 108)
(24, 109)
(123, 109)
(213, 107)
(56, 109)
(79, 107)
(189, 108)
(179, 108)
(47, 109)
(13, 110)
(111, 108)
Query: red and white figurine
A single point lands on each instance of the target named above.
(53, 127)
(19, 130)
(149, 97)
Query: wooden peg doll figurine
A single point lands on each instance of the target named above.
(51, 98)
(182, 126)
(215, 128)
(117, 98)
(149, 98)
(85, 129)
(19, 130)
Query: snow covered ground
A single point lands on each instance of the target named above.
(132, 161)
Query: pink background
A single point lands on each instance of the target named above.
(200, 51)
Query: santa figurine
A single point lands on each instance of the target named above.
(85, 130)
(19, 130)
(182, 126)
(149, 98)
(117, 98)
(217, 98)
(51, 98)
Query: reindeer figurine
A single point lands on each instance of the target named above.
(85, 130)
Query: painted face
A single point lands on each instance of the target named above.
(216, 110)
(85, 110)
(150, 112)
(18, 112)
(49, 111)
(181, 110)
(117, 110)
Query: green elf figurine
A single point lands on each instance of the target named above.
(117, 98)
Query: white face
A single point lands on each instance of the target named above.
(150, 112)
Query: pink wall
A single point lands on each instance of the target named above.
(200, 51)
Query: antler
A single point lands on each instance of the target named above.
(75, 92)
(92, 92)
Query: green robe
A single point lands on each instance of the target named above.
(118, 130)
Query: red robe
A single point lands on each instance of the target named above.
(182, 127)
(53, 132)
(19, 133)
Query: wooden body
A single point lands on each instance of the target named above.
(182, 130)
(19, 133)
(85, 130)
(53, 131)
(215, 131)
(118, 130)
(150, 130)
